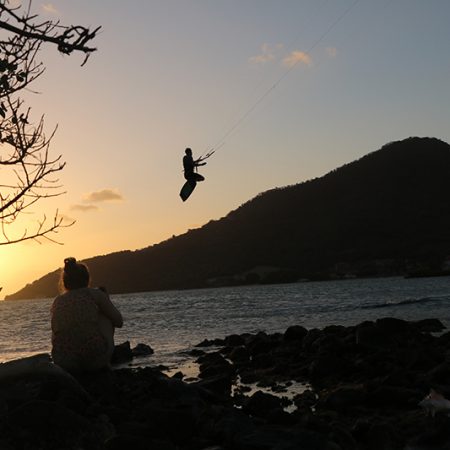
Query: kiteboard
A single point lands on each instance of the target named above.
(187, 189)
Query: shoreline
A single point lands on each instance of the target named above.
(362, 389)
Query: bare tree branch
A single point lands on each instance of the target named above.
(29, 174)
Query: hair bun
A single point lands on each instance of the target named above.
(69, 262)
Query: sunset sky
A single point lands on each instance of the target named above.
(168, 74)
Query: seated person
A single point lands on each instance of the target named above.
(83, 321)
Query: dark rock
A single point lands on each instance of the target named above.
(394, 397)
(39, 420)
(337, 330)
(381, 437)
(179, 375)
(436, 436)
(343, 438)
(211, 343)
(122, 353)
(174, 423)
(259, 344)
(196, 352)
(239, 355)
(219, 384)
(123, 441)
(392, 325)
(344, 397)
(213, 364)
(295, 333)
(374, 337)
(284, 439)
(428, 325)
(261, 404)
(134, 428)
(326, 366)
(263, 361)
(327, 343)
(305, 400)
(234, 340)
(439, 374)
(361, 428)
(230, 425)
(142, 350)
(310, 337)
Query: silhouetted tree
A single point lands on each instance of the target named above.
(28, 173)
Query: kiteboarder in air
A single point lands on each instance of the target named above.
(190, 166)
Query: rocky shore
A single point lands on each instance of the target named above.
(363, 385)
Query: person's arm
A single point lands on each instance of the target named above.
(199, 162)
(107, 308)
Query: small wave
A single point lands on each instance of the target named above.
(409, 301)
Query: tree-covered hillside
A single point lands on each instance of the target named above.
(386, 213)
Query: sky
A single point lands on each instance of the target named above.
(296, 87)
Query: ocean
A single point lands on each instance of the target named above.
(173, 322)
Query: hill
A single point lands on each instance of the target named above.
(384, 214)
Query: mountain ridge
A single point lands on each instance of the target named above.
(382, 214)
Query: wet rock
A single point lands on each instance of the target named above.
(122, 353)
(211, 343)
(214, 364)
(179, 375)
(142, 350)
(219, 384)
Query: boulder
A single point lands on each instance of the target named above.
(428, 325)
(295, 333)
(142, 350)
(344, 397)
(261, 404)
(122, 353)
(234, 340)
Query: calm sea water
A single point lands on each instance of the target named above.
(172, 322)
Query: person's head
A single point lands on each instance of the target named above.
(188, 151)
(74, 275)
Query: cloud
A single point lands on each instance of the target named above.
(331, 52)
(49, 9)
(296, 57)
(104, 195)
(84, 208)
(267, 54)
